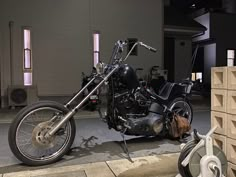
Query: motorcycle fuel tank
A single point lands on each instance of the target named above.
(128, 76)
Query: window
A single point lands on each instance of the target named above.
(27, 57)
(197, 76)
(96, 53)
(230, 57)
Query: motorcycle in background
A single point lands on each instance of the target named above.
(155, 80)
(42, 133)
(93, 101)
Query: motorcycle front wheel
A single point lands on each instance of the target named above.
(182, 107)
(27, 132)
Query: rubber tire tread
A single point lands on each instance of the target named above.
(185, 100)
(20, 115)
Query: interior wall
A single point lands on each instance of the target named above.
(221, 29)
(62, 38)
(204, 20)
(60, 45)
(183, 49)
(224, 36)
(209, 61)
(229, 6)
(169, 57)
(1, 54)
(139, 20)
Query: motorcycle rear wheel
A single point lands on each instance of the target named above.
(26, 134)
(182, 107)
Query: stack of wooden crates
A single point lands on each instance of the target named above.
(223, 113)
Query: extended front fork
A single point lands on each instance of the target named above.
(73, 111)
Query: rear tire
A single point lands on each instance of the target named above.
(183, 108)
(26, 134)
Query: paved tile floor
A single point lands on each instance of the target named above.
(149, 166)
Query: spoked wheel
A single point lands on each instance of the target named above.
(183, 108)
(27, 132)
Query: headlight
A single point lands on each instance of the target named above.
(100, 68)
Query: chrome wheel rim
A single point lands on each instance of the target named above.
(30, 139)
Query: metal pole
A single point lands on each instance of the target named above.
(73, 111)
(11, 23)
(77, 94)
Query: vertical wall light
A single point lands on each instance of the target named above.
(96, 44)
(27, 57)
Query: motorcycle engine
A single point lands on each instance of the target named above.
(139, 113)
(149, 125)
(131, 105)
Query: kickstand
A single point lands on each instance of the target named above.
(125, 148)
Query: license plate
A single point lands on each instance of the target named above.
(93, 97)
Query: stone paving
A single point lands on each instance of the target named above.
(150, 166)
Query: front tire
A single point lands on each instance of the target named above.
(26, 134)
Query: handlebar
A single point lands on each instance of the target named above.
(135, 44)
(148, 47)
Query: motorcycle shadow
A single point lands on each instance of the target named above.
(92, 150)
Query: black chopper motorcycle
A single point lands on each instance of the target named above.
(44, 132)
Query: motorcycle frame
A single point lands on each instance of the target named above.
(104, 78)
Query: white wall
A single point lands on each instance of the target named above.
(62, 38)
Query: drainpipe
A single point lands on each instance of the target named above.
(11, 24)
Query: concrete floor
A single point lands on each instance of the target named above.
(148, 166)
(94, 142)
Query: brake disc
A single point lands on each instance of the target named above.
(194, 162)
(38, 136)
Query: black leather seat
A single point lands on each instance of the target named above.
(166, 90)
(157, 84)
(165, 93)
